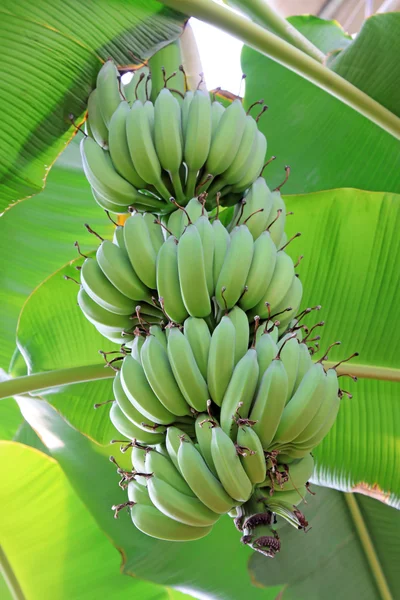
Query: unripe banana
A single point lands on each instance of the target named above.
(242, 331)
(185, 111)
(206, 232)
(277, 229)
(116, 266)
(142, 150)
(239, 394)
(279, 286)
(226, 140)
(258, 197)
(118, 146)
(164, 64)
(261, 271)
(105, 204)
(95, 121)
(252, 454)
(118, 237)
(299, 472)
(187, 374)
(234, 272)
(138, 494)
(108, 88)
(139, 86)
(294, 497)
(159, 334)
(178, 506)
(167, 137)
(289, 353)
(229, 468)
(192, 273)
(221, 244)
(221, 359)
(173, 441)
(203, 431)
(136, 347)
(266, 350)
(303, 406)
(197, 138)
(130, 430)
(98, 287)
(168, 284)
(155, 231)
(217, 110)
(163, 468)
(202, 482)
(305, 363)
(98, 315)
(131, 412)
(152, 522)
(139, 392)
(199, 338)
(270, 402)
(194, 210)
(254, 168)
(140, 249)
(292, 299)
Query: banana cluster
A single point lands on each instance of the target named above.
(139, 155)
(221, 421)
(192, 266)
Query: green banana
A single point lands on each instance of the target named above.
(242, 331)
(203, 435)
(131, 412)
(140, 249)
(291, 300)
(163, 468)
(159, 374)
(226, 139)
(142, 150)
(266, 350)
(136, 347)
(254, 168)
(197, 138)
(185, 111)
(252, 456)
(95, 121)
(176, 223)
(98, 315)
(104, 179)
(221, 359)
(258, 198)
(108, 206)
(118, 147)
(139, 86)
(299, 472)
(138, 494)
(294, 497)
(152, 522)
(239, 393)
(229, 468)
(118, 237)
(194, 210)
(305, 363)
(168, 284)
(173, 442)
(99, 288)
(206, 232)
(277, 229)
(108, 88)
(279, 286)
(289, 353)
(157, 332)
(187, 374)
(155, 231)
(232, 278)
(199, 338)
(217, 110)
(303, 405)
(115, 264)
(201, 481)
(269, 402)
(221, 244)
(167, 137)
(139, 392)
(163, 64)
(261, 271)
(178, 506)
(192, 273)
(130, 430)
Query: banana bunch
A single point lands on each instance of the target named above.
(141, 154)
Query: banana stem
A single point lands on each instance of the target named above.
(261, 12)
(279, 50)
(368, 547)
(52, 379)
(10, 578)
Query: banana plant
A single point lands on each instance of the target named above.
(333, 115)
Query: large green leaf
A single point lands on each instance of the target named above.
(37, 237)
(51, 53)
(328, 36)
(333, 560)
(369, 61)
(326, 143)
(54, 334)
(350, 267)
(10, 418)
(52, 544)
